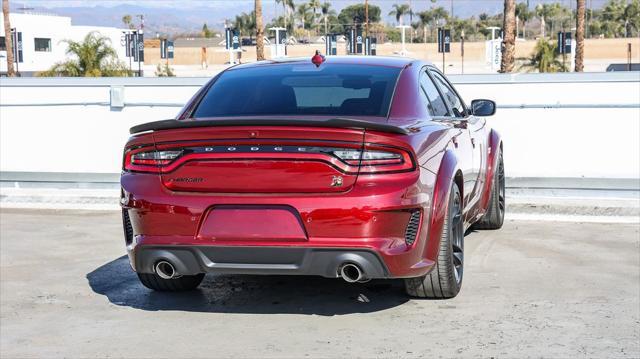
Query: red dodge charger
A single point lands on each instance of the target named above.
(351, 167)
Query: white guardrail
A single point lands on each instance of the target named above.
(553, 125)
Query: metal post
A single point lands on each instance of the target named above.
(629, 57)
(138, 50)
(129, 44)
(562, 47)
(140, 32)
(443, 61)
(462, 49)
(16, 57)
(366, 19)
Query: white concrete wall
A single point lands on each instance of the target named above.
(38, 133)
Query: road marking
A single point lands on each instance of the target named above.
(571, 218)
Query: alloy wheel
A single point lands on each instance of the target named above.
(457, 238)
(501, 187)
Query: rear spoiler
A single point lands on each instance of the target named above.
(334, 122)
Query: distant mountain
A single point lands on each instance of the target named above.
(184, 17)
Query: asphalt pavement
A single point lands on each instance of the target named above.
(533, 289)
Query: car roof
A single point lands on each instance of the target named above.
(389, 61)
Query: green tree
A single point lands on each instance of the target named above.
(206, 32)
(553, 17)
(127, 21)
(432, 19)
(304, 14)
(327, 13)
(523, 14)
(91, 57)
(164, 71)
(281, 21)
(620, 19)
(245, 24)
(545, 58)
(314, 5)
(288, 6)
(399, 11)
(355, 14)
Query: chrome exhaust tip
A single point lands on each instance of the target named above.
(351, 273)
(165, 270)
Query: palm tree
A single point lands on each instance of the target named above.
(287, 6)
(620, 18)
(303, 14)
(92, 57)
(290, 7)
(127, 21)
(8, 40)
(440, 13)
(426, 17)
(326, 11)
(432, 18)
(259, 31)
(523, 14)
(580, 17)
(632, 18)
(509, 41)
(239, 23)
(399, 11)
(315, 5)
(545, 57)
(552, 12)
(542, 11)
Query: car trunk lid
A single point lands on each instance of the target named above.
(259, 159)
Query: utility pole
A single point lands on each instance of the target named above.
(366, 18)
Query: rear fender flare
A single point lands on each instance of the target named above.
(448, 173)
(493, 149)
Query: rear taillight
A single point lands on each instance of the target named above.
(376, 160)
(149, 161)
(373, 160)
(154, 158)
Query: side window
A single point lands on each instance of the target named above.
(450, 95)
(434, 99)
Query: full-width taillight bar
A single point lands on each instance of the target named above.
(373, 159)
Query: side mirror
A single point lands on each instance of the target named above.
(483, 108)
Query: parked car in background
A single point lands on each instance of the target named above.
(345, 167)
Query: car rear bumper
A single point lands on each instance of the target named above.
(325, 262)
(307, 234)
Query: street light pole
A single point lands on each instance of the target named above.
(366, 19)
(462, 49)
(140, 36)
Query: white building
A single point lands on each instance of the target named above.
(42, 40)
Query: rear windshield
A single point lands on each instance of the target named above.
(301, 89)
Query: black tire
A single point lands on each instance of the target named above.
(180, 284)
(494, 218)
(445, 279)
